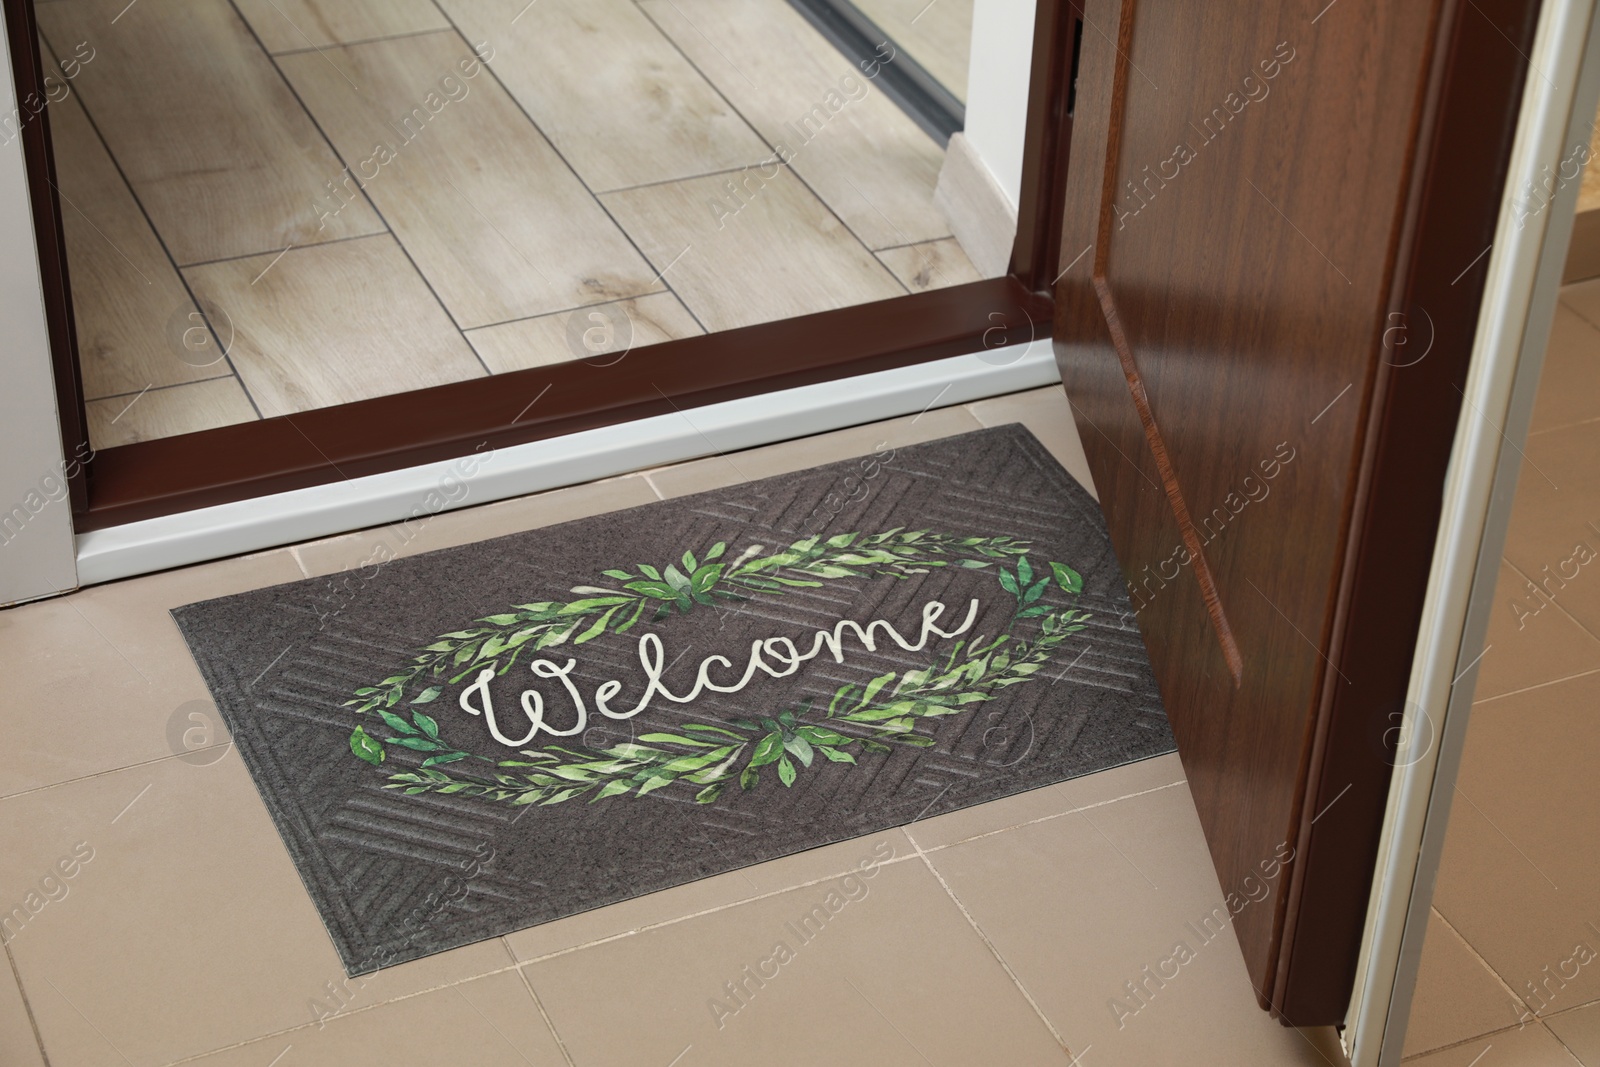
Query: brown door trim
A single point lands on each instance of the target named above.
(1464, 150)
(33, 119)
(148, 479)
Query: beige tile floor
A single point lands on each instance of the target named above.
(998, 934)
(276, 205)
(1518, 900)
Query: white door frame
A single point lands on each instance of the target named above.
(37, 556)
(1530, 248)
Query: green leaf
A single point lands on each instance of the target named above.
(873, 687)
(426, 724)
(676, 579)
(418, 744)
(800, 747)
(428, 695)
(821, 735)
(396, 722)
(500, 620)
(1024, 571)
(649, 571)
(611, 789)
(620, 575)
(716, 551)
(583, 607)
(658, 590)
(1067, 578)
(448, 757)
(749, 778)
(690, 564)
(768, 749)
(708, 794)
(705, 577)
(837, 755)
(1035, 591)
(673, 739)
(786, 772)
(597, 628)
(715, 730)
(651, 785)
(1008, 583)
(366, 747)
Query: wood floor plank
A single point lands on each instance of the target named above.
(609, 90)
(123, 420)
(221, 154)
(290, 25)
(933, 265)
(333, 323)
(495, 220)
(776, 253)
(937, 35)
(602, 333)
(852, 144)
(129, 305)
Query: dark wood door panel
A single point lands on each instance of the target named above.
(1238, 192)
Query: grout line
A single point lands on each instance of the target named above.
(279, 251)
(110, 770)
(1516, 999)
(1048, 818)
(543, 1014)
(1538, 685)
(994, 951)
(342, 1014)
(138, 202)
(681, 178)
(155, 389)
(654, 488)
(706, 911)
(352, 44)
(27, 1005)
(1553, 602)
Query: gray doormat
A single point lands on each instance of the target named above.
(494, 736)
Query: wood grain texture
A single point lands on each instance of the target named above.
(602, 334)
(292, 25)
(1250, 274)
(931, 265)
(218, 150)
(495, 220)
(870, 163)
(937, 35)
(333, 323)
(612, 93)
(128, 300)
(179, 409)
(773, 252)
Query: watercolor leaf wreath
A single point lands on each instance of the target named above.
(873, 717)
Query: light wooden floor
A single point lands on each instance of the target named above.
(278, 205)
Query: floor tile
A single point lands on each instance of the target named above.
(1457, 997)
(333, 323)
(864, 157)
(888, 973)
(113, 656)
(17, 1043)
(764, 462)
(217, 148)
(1555, 525)
(931, 265)
(1090, 908)
(493, 217)
(1091, 790)
(938, 36)
(692, 899)
(185, 927)
(429, 530)
(612, 93)
(1579, 1030)
(1571, 363)
(1048, 416)
(129, 305)
(293, 25)
(1530, 1047)
(602, 334)
(122, 420)
(1511, 881)
(778, 254)
(489, 1021)
(1530, 641)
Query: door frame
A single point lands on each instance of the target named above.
(1523, 284)
(230, 464)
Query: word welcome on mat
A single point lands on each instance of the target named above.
(513, 731)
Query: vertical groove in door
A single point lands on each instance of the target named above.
(1130, 368)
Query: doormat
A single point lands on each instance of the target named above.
(464, 743)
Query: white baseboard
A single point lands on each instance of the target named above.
(979, 213)
(322, 510)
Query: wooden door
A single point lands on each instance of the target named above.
(1257, 326)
